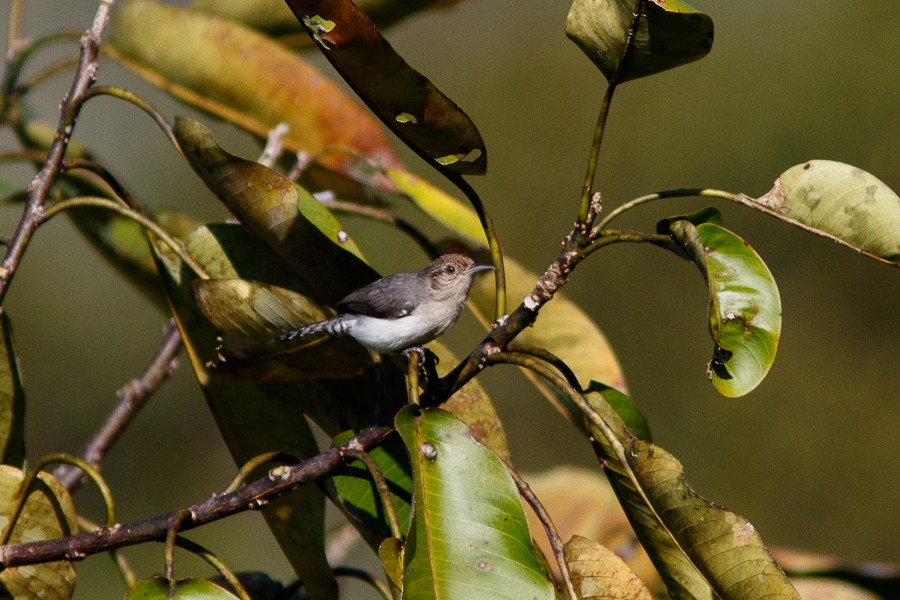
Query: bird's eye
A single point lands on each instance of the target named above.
(451, 269)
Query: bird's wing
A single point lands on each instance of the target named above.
(389, 298)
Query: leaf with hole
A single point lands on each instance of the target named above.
(841, 202)
(468, 537)
(407, 103)
(667, 34)
(744, 305)
(244, 77)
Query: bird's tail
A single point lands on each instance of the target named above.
(335, 327)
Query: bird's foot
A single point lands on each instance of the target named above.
(428, 361)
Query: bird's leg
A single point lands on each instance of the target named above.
(427, 362)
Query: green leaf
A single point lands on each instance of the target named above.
(840, 202)
(48, 514)
(406, 102)
(12, 399)
(293, 224)
(390, 553)
(598, 574)
(159, 588)
(468, 537)
(359, 497)
(667, 34)
(244, 77)
(701, 550)
(744, 306)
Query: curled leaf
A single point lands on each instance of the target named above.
(406, 101)
(744, 305)
(244, 77)
(667, 34)
(841, 202)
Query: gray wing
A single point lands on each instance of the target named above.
(391, 297)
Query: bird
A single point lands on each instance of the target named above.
(403, 311)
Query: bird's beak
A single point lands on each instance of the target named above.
(476, 268)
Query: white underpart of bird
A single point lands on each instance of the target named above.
(404, 310)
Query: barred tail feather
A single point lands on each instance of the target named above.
(336, 327)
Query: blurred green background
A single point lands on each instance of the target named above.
(812, 457)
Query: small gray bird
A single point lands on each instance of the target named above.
(402, 311)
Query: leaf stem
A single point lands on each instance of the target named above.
(381, 485)
(132, 98)
(594, 157)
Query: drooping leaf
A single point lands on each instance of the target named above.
(160, 588)
(468, 537)
(359, 496)
(406, 102)
(841, 202)
(598, 574)
(295, 226)
(744, 305)
(48, 514)
(248, 315)
(255, 418)
(667, 34)
(12, 399)
(390, 553)
(274, 17)
(701, 550)
(240, 75)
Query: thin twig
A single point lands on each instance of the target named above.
(543, 516)
(132, 397)
(381, 485)
(70, 107)
(272, 149)
(253, 496)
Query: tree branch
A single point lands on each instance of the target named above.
(39, 190)
(256, 495)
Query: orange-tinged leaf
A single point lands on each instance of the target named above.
(244, 77)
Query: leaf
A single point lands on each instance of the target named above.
(840, 202)
(159, 588)
(390, 553)
(48, 514)
(406, 102)
(668, 33)
(597, 573)
(468, 537)
(438, 205)
(744, 306)
(701, 550)
(816, 588)
(12, 399)
(293, 224)
(248, 315)
(244, 77)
